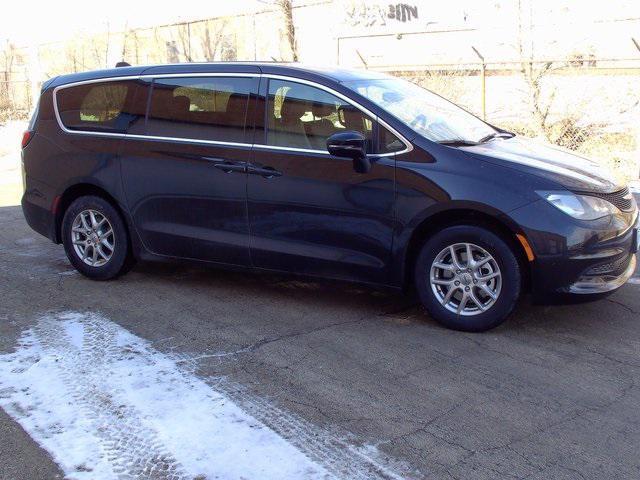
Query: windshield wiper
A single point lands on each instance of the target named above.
(457, 143)
(493, 135)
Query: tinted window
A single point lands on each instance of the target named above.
(301, 116)
(389, 143)
(212, 108)
(426, 113)
(97, 106)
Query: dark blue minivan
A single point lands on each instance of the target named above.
(331, 173)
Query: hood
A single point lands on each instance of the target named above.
(551, 162)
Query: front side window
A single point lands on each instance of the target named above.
(96, 106)
(302, 116)
(389, 143)
(202, 108)
(425, 112)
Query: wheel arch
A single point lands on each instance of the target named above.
(499, 224)
(76, 191)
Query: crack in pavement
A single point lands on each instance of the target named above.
(266, 341)
(623, 305)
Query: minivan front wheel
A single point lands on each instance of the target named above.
(95, 238)
(468, 278)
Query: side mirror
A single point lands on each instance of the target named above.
(351, 145)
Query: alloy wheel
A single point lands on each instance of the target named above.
(93, 238)
(466, 279)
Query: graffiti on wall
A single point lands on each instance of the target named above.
(367, 15)
(403, 12)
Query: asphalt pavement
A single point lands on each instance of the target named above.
(552, 393)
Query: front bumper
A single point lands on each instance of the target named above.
(577, 257)
(603, 283)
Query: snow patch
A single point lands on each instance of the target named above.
(107, 405)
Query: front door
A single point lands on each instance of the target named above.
(184, 172)
(310, 212)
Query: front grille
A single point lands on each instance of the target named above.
(621, 199)
(614, 267)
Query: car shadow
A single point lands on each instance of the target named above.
(402, 308)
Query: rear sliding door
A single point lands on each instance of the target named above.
(183, 167)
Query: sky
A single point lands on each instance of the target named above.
(47, 21)
(55, 20)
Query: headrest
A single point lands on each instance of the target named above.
(181, 104)
(351, 118)
(294, 106)
(236, 104)
(161, 102)
(322, 109)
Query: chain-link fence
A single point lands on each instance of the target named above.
(15, 100)
(587, 104)
(593, 111)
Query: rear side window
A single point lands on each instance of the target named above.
(103, 107)
(201, 108)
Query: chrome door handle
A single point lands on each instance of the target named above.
(230, 167)
(266, 172)
(226, 166)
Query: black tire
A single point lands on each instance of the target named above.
(503, 255)
(120, 260)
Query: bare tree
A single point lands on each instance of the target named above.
(74, 60)
(534, 74)
(212, 39)
(100, 49)
(8, 59)
(130, 36)
(184, 37)
(567, 130)
(285, 7)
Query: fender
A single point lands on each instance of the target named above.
(441, 214)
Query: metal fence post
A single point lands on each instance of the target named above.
(637, 45)
(483, 84)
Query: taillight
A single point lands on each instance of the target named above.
(26, 138)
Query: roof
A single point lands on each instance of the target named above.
(309, 72)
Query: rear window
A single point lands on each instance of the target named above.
(201, 108)
(97, 106)
(34, 117)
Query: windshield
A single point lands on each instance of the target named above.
(425, 112)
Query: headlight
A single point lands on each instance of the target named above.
(582, 207)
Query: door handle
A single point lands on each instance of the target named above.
(266, 172)
(230, 167)
(225, 165)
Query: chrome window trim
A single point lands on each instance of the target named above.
(408, 145)
(262, 146)
(186, 140)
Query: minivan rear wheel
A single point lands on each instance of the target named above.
(468, 278)
(95, 238)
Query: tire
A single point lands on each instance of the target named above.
(109, 263)
(435, 278)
